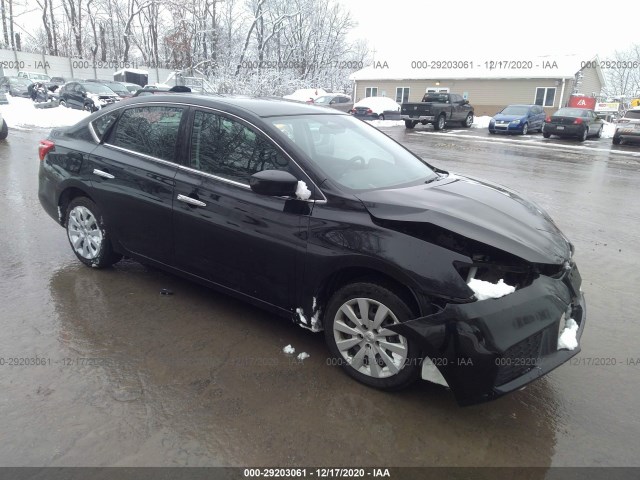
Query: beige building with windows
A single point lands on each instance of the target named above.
(488, 85)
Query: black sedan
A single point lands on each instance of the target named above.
(85, 95)
(573, 122)
(15, 86)
(411, 271)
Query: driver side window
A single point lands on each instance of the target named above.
(227, 148)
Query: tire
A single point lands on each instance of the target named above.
(492, 132)
(616, 140)
(394, 369)
(585, 134)
(87, 107)
(467, 122)
(546, 134)
(88, 236)
(440, 122)
(525, 128)
(381, 117)
(4, 131)
(409, 124)
(62, 103)
(599, 134)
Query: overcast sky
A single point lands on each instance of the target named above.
(449, 30)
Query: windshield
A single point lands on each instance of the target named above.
(116, 87)
(97, 88)
(634, 114)
(351, 153)
(20, 81)
(515, 110)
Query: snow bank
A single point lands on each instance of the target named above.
(21, 112)
(481, 122)
(568, 338)
(302, 192)
(608, 130)
(289, 349)
(303, 355)
(485, 290)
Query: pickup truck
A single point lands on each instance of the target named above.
(438, 109)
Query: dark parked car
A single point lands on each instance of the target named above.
(89, 96)
(573, 122)
(438, 109)
(59, 81)
(411, 271)
(628, 127)
(335, 100)
(518, 119)
(15, 86)
(120, 89)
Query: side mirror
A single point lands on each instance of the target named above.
(332, 102)
(274, 183)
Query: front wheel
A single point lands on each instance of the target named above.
(381, 117)
(88, 235)
(525, 129)
(599, 134)
(616, 140)
(440, 122)
(62, 103)
(356, 331)
(468, 121)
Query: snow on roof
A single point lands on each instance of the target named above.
(565, 66)
(132, 70)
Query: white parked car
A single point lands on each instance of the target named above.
(380, 108)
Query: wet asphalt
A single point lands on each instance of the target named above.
(127, 376)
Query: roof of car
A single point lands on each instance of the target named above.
(260, 106)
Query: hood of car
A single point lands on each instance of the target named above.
(478, 210)
(509, 118)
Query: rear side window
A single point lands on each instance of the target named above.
(150, 130)
(228, 149)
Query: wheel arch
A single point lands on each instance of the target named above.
(67, 195)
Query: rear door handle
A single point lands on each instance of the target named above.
(102, 174)
(191, 201)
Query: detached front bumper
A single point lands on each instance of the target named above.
(488, 348)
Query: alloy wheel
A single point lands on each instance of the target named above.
(84, 233)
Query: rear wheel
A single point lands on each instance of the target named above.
(584, 135)
(409, 124)
(440, 122)
(468, 121)
(381, 117)
(88, 235)
(616, 140)
(545, 134)
(62, 103)
(4, 131)
(599, 134)
(357, 334)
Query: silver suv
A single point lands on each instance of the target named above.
(628, 127)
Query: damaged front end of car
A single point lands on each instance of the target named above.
(507, 333)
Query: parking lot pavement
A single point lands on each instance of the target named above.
(127, 376)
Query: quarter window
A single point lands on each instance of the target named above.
(151, 130)
(545, 96)
(228, 149)
(101, 124)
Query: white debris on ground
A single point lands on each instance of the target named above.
(289, 350)
(303, 355)
(481, 122)
(21, 112)
(485, 290)
(568, 338)
(302, 192)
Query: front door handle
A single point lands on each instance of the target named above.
(191, 201)
(102, 174)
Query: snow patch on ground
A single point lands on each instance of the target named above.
(386, 123)
(568, 339)
(302, 192)
(21, 112)
(485, 290)
(303, 355)
(289, 350)
(481, 122)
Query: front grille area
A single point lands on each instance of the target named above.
(519, 359)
